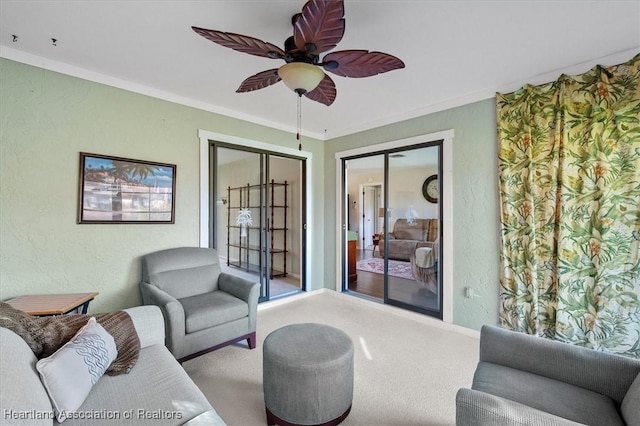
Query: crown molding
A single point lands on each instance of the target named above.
(96, 77)
(487, 93)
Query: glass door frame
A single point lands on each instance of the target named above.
(386, 189)
(446, 196)
(265, 256)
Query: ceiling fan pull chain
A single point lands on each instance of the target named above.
(299, 122)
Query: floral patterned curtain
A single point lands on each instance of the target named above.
(569, 157)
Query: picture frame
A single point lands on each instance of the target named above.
(116, 190)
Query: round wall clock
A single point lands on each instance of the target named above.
(430, 189)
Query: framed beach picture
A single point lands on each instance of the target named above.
(122, 190)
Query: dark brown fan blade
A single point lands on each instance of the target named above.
(241, 43)
(259, 81)
(321, 24)
(360, 63)
(325, 93)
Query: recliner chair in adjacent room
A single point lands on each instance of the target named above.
(204, 308)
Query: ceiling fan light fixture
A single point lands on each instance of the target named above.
(300, 76)
(317, 29)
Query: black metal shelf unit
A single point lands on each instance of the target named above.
(244, 197)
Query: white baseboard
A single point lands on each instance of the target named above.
(289, 299)
(434, 322)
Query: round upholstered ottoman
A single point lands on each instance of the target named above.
(307, 375)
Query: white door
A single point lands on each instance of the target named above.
(369, 204)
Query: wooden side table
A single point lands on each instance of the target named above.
(351, 257)
(376, 243)
(52, 304)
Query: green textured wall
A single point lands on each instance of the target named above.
(475, 201)
(46, 119)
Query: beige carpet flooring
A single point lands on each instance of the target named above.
(408, 367)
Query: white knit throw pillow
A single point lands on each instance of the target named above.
(69, 374)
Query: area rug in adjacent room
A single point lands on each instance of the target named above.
(397, 268)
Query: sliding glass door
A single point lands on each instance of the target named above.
(393, 223)
(258, 217)
(411, 247)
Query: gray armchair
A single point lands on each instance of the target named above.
(204, 309)
(529, 380)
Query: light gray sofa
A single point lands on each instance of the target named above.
(528, 380)
(157, 391)
(406, 237)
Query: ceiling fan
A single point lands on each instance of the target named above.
(316, 30)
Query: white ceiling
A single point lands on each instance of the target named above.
(455, 52)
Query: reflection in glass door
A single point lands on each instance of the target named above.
(258, 217)
(394, 227)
